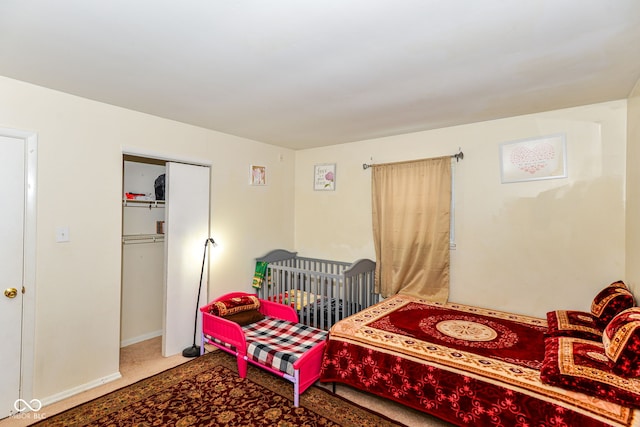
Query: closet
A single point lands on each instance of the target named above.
(143, 219)
(162, 244)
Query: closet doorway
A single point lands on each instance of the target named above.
(162, 244)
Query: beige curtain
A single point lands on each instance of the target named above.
(411, 207)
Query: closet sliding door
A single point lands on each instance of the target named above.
(186, 228)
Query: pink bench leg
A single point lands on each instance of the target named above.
(296, 388)
(242, 366)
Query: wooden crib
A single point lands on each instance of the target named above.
(321, 291)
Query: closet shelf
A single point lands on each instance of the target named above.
(143, 203)
(142, 238)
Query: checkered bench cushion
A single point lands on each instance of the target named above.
(278, 343)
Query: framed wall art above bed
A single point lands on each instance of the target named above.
(534, 159)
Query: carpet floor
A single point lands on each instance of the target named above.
(144, 359)
(207, 391)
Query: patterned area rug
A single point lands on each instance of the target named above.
(207, 391)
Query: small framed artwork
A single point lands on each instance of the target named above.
(258, 175)
(324, 177)
(534, 159)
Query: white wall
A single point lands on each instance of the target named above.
(523, 247)
(80, 146)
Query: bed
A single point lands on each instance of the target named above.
(265, 334)
(472, 366)
(321, 291)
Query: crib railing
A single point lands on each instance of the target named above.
(321, 291)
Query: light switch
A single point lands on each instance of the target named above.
(62, 234)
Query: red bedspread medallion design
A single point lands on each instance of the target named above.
(492, 337)
(466, 365)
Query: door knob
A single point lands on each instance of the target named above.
(10, 292)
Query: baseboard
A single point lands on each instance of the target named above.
(140, 338)
(79, 389)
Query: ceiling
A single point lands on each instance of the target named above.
(303, 73)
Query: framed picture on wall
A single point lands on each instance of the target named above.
(534, 159)
(258, 175)
(324, 177)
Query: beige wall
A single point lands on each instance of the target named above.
(80, 145)
(633, 190)
(524, 247)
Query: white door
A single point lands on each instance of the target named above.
(12, 195)
(186, 228)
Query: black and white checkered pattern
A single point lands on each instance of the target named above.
(279, 343)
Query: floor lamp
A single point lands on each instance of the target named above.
(194, 350)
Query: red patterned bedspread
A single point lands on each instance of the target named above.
(466, 365)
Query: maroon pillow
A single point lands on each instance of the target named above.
(610, 301)
(571, 323)
(234, 305)
(581, 365)
(621, 339)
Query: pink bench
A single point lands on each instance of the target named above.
(278, 343)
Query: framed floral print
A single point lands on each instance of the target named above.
(324, 177)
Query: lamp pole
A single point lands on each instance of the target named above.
(194, 350)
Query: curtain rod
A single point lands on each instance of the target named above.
(459, 156)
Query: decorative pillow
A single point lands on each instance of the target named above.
(234, 305)
(621, 339)
(581, 365)
(610, 301)
(571, 323)
(244, 318)
(619, 284)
